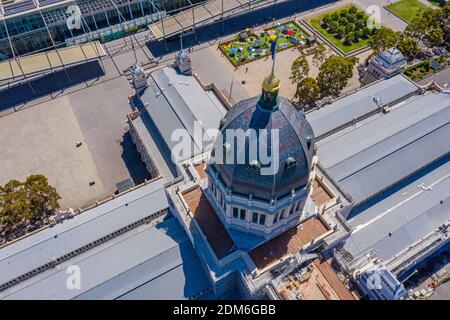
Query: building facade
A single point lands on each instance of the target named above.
(385, 65)
(26, 25)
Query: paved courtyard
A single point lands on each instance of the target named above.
(42, 140)
(45, 132)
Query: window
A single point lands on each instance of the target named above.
(292, 209)
(275, 219)
(242, 214)
(281, 215)
(255, 217)
(262, 219)
(235, 213)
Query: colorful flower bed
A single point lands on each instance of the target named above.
(251, 45)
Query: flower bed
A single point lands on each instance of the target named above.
(249, 45)
(425, 68)
(346, 28)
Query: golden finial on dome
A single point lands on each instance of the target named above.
(271, 83)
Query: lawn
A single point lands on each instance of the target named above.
(346, 28)
(407, 9)
(249, 45)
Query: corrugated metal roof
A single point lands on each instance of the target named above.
(175, 101)
(358, 104)
(152, 262)
(377, 153)
(45, 246)
(409, 214)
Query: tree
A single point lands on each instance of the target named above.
(349, 38)
(340, 32)
(435, 37)
(383, 38)
(43, 197)
(333, 26)
(334, 74)
(25, 204)
(326, 20)
(308, 91)
(299, 69)
(409, 47)
(417, 29)
(350, 27)
(319, 55)
(353, 10)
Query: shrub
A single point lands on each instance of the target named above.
(351, 17)
(333, 27)
(352, 10)
(366, 32)
(335, 16)
(327, 19)
(361, 16)
(349, 38)
(343, 21)
(350, 27)
(340, 32)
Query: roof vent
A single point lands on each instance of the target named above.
(226, 147)
(309, 141)
(222, 123)
(255, 165)
(290, 162)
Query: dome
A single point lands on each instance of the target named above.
(137, 71)
(296, 147)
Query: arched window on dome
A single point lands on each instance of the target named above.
(275, 218)
(262, 219)
(235, 212)
(242, 214)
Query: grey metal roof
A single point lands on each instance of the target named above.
(358, 104)
(409, 214)
(367, 158)
(154, 262)
(156, 148)
(43, 247)
(175, 101)
(390, 58)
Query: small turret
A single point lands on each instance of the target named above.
(139, 78)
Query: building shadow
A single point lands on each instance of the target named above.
(232, 25)
(132, 159)
(60, 80)
(195, 280)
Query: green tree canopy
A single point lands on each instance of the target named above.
(334, 74)
(24, 203)
(383, 39)
(307, 92)
(319, 54)
(409, 47)
(299, 69)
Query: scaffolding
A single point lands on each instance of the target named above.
(196, 15)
